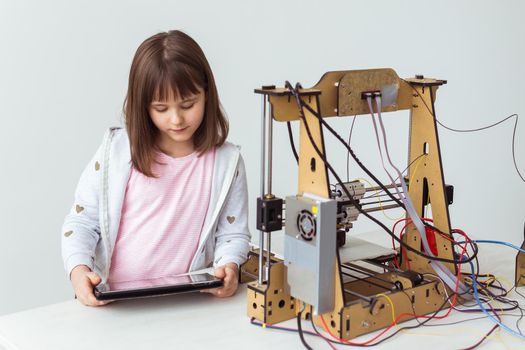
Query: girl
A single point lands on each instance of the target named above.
(167, 195)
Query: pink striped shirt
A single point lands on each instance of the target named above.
(162, 218)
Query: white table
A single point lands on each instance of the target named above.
(198, 320)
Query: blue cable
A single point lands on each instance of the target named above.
(498, 242)
(476, 296)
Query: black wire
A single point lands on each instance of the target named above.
(516, 290)
(301, 104)
(514, 305)
(473, 245)
(500, 288)
(498, 298)
(521, 309)
(350, 197)
(519, 320)
(490, 126)
(300, 330)
(315, 328)
(290, 136)
(475, 250)
(479, 129)
(316, 114)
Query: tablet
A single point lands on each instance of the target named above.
(157, 286)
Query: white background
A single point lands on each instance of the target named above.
(63, 77)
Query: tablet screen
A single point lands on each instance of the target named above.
(156, 286)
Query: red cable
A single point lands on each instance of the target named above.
(402, 249)
(401, 246)
(406, 314)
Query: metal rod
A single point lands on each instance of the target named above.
(269, 180)
(361, 268)
(268, 257)
(378, 188)
(377, 202)
(261, 255)
(360, 279)
(359, 295)
(379, 195)
(270, 142)
(392, 206)
(376, 194)
(370, 274)
(383, 266)
(260, 280)
(389, 268)
(263, 145)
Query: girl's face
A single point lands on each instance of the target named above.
(177, 120)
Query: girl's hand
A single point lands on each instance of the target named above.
(83, 281)
(229, 273)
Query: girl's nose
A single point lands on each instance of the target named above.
(176, 117)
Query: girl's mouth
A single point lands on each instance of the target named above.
(178, 130)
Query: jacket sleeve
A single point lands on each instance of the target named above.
(81, 228)
(232, 237)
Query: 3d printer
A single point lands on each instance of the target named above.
(313, 278)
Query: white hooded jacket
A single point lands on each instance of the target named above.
(90, 229)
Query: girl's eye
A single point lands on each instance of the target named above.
(161, 110)
(187, 106)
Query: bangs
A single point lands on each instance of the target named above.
(177, 80)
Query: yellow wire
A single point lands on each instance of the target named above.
(412, 174)
(496, 336)
(379, 198)
(487, 295)
(391, 305)
(498, 305)
(409, 181)
(490, 281)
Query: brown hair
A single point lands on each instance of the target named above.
(166, 63)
